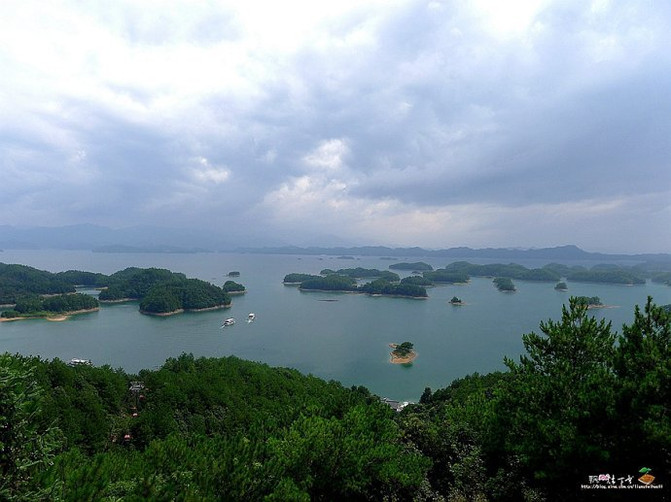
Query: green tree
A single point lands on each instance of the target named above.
(643, 367)
(26, 448)
(559, 398)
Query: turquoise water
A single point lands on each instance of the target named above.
(345, 340)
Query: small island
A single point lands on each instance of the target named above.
(504, 284)
(402, 353)
(234, 288)
(592, 302)
(456, 301)
(561, 286)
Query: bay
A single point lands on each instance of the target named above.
(336, 336)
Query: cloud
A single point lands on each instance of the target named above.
(435, 122)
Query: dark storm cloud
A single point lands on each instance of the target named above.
(420, 112)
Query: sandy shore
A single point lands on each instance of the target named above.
(179, 311)
(55, 317)
(401, 360)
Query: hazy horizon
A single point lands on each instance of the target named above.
(417, 123)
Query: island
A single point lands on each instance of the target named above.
(363, 273)
(233, 288)
(296, 279)
(446, 276)
(52, 308)
(382, 287)
(21, 280)
(592, 302)
(504, 284)
(456, 301)
(29, 292)
(402, 353)
(511, 270)
(345, 281)
(234, 273)
(606, 275)
(561, 286)
(419, 266)
(417, 281)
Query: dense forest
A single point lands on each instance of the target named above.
(21, 280)
(363, 273)
(583, 407)
(445, 276)
(345, 280)
(35, 305)
(419, 266)
(553, 272)
(511, 271)
(159, 291)
(504, 284)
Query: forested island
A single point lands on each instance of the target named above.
(446, 276)
(590, 301)
(511, 271)
(234, 288)
(345, 281)
(56, 307)
(461, 271)
(581, 401)
(21, 280)
(455, 300)
(504, 284)
(159, 291)
(420, 266)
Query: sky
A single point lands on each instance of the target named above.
(402, 123)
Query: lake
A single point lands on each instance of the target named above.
(345, 338)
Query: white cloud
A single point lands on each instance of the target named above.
(432, 123)
(328, 156)
(205, 172)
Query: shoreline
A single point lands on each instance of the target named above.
(120, 300)
(180, 311)
(49, 317)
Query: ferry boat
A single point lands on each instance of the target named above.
(228, 322)
(80, 362)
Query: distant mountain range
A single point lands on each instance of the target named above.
(559, 253)
(163, 240)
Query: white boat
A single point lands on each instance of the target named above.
(251, 317)
(78, 362)
(228, 322)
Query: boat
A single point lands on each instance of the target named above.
(251, 317)
(80, 362)
(228, 322)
